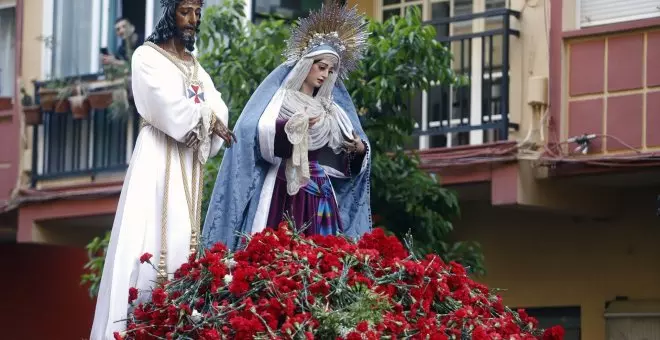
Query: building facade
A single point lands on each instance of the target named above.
(565, 201)
(551, 147)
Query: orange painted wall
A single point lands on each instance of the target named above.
(40, 293)
(546, 260)
(365, 6)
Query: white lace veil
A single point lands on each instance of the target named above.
(332, 128)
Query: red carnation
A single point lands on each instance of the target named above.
(479, 333)
(158, 296)
(439, 336)
(554, 333)
(209, 334)
(146, 257)
(282, 225)
(271, 287)
(363, 326)
(219, 248)
(132, 294)
(117, 336)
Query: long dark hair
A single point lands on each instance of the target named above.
(166, 28)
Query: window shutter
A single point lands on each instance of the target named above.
(600, 12)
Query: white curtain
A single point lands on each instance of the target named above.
(72, 34)
(7, 46)
(158, 12)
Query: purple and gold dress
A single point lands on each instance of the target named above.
(314, 207)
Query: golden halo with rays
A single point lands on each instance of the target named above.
(340, 27)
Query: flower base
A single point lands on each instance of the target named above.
(286, 286)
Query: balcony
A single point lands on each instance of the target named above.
(478, 113)
(82, 144)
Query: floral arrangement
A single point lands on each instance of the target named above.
(283, 285)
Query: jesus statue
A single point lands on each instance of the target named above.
(184, 122)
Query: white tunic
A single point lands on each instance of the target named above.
(162, 100)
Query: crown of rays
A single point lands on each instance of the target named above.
(168, 3)
(340, 27)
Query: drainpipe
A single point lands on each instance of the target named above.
(17, 119)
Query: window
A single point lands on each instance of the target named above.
(443, 107)
(7, 47)
(143, 14)
(81, 27)
(286, 9)
(135, 12)
(437, 8)
(567, 317)
(76, 31)
(601, 12)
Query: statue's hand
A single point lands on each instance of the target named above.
(191, 140)
(223, 132)
(313, 120)
(355, 145)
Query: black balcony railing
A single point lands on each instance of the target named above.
(481, 55)
(64, 146)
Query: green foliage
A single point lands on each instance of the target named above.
(367, 306)
(239, 55)
(94, 267)
(403, 57)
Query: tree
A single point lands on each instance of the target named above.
(403, 57)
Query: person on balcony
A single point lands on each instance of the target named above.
(184, 123)
(130, 40)
(302, 153)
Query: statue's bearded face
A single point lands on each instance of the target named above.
(188, 17)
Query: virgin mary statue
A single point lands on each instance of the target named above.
(301, 150)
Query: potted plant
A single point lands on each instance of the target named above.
(31, 112)
(62, 102)
(102, 92)
(79, 103)
(49, 91)
(114, 93)
(48, 94)
(120, 108)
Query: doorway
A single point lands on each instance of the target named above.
(135, 12)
